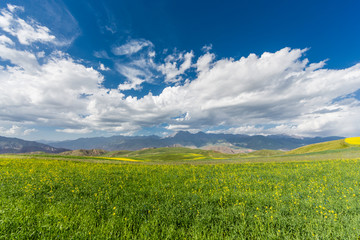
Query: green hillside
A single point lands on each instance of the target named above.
(265, 153)
(345, 148)
(320, 147)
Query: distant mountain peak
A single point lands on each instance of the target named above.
(198, 140)
(183, 133)
(16, 145)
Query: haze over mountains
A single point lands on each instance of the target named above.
(227, 143)
(15, 145)
(235, 142)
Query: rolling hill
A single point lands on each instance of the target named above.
(327, 146)
(153, 154)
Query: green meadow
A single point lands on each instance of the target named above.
(176, 193)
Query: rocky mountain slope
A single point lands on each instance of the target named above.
(15, 145)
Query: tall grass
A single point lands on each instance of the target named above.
(54, 199)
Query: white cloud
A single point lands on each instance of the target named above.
(246, 129)
(13, 8)
(152, 54)
(258, 90)
(101, 54)
(282, 90)
(137, 71)
(135, 77)
(16, 130)
(265, 90)
(103, 68)
(75, 131)
(204, 62)
(207, 48)
(13, 130)
(131, 47)
(40, 54)
(178, 127)
(5, 40)
(111, 28)
(29, 131)
(45, 93)
(6, 19)
(25, 32)
(183, 117)
(23, 59)
(175, 65)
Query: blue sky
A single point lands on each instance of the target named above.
(72, 69)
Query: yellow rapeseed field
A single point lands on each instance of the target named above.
(193, 156)
(120, 159)
(353, 140)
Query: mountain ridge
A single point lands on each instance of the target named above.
(197, 140)
(17, 145)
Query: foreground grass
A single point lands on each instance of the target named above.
(56, 199)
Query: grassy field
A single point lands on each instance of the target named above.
(320, 147)
(302, 196)
(328, 146)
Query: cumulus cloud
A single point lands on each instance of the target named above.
(103, 68)
(203, 63)
(29, 131)
(47, 93)
(16, 130)
(5, 40)
(13, 130)
(175, 65)
(273, 93)
(242, 93)
(131, 47)
(23, 59)
(266, 90)
(183, 117)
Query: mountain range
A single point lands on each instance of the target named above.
(227, 142)
(16, 145)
